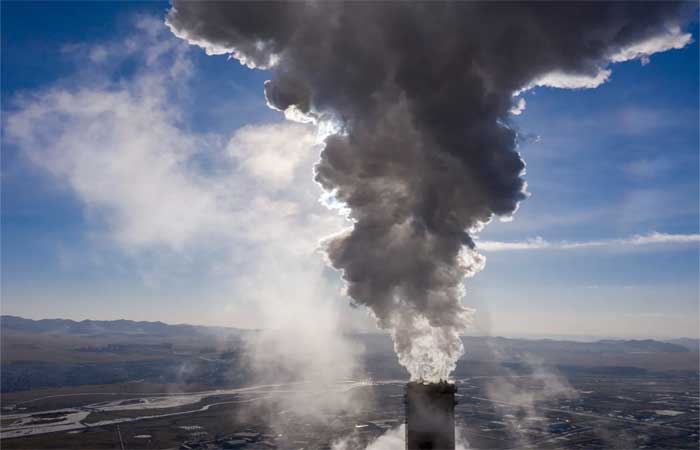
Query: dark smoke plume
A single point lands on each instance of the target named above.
(418, 96)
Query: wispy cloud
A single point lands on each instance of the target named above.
(639, 240)
(646, 169)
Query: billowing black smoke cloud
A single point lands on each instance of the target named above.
(421, 153)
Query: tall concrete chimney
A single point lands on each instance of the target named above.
(430, 416)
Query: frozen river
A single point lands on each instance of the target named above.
(70, 419)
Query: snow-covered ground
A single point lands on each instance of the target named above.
(27, 424)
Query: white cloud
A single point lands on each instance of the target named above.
(634, 241)
(519, 107)
(98, 54)
(673, 39)
(151, 186)
(496, 246)
(563, 80)
(647, 169)
(121, 153)
(124, 151)
(272, 152)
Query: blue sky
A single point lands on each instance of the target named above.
(143, 179)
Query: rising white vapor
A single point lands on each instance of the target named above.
(635, 241)
(124, 151)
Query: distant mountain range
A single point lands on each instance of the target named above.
(14, 325)
(601, 346)
(61, 352)
(380, 342)
(691, 344)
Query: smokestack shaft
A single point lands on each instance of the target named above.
(430, 420)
